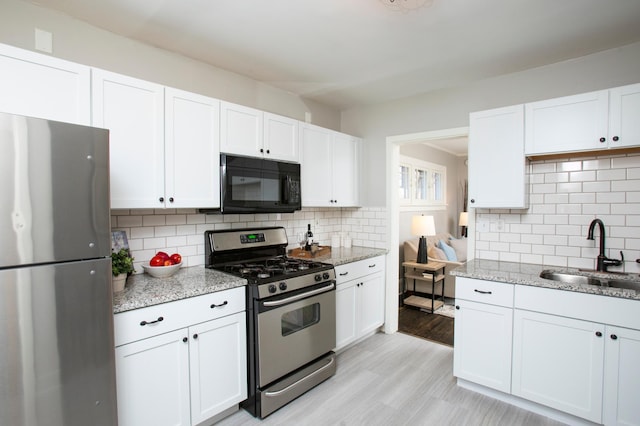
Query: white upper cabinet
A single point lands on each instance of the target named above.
(133, 111)
(329, 169)
(281, 138)
(45, 87)
(158, 160)
(590, 121)
(497, 164)
(192, 154)
(624, 116)
(254, 133)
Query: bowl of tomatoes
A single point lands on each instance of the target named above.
(162, 265)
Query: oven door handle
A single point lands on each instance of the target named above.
(281, 391)
(300, 296)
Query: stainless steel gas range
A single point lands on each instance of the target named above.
(291, 314)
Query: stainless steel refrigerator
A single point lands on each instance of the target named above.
(57, 363)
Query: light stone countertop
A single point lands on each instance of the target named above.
(342, 255)
(143, 290)
(529, 274)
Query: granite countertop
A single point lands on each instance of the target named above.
(143, 290)
(529, 274)
(342, 255)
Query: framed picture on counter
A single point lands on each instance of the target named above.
(119, 241)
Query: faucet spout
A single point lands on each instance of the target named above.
(602, 262)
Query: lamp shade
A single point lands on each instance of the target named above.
(423, 225)
(464, 219)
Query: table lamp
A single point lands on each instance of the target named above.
(463, 221)
(422, 226)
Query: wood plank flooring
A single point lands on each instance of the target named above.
(436, 328)
(393, 379)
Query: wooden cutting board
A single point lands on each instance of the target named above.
(323, 251)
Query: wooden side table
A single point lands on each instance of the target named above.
(428, 272)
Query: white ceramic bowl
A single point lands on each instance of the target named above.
(161, 271)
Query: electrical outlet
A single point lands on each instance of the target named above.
(482, 226)
(500, 225)
(43, 40)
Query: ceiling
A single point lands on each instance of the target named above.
(348, 53)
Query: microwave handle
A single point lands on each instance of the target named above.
(287, 189)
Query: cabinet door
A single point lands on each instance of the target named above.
(344, 170)
(41, 86)
(133, 111)
(624, 109)
(281, 138)
(482, 344)
(315, 170)
(346, 311)
(558, 362)
(497, 137)
(370, 303)
(152, 377)
(241, 130)
(571, 123)
(218, 365)
(621, 376)
(192, 154)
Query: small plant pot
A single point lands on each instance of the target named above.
(118, 282)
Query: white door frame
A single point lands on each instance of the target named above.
(393, 217)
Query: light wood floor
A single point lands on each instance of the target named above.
(393, 379)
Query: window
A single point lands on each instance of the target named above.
(422, 183)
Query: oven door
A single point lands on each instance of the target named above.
(253, 185)
(294, 330)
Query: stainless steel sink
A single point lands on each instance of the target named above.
(627, 284)
(569, 278)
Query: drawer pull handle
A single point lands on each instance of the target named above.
(372, 266)
(344, 273)
(213, 305)
(143, 323)
(482, 292)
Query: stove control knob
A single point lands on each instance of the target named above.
(318, 277)
(283, 286)
(273, 288)
(325, 275)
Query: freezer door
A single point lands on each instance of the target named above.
(54, 187)
(57, 363)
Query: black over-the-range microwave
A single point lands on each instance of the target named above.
(255, 185)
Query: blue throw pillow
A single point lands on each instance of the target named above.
(448, 251)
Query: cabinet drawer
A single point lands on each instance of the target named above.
(154, 320)
(482, 291)
(361, 268)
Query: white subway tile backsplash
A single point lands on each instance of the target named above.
(553, 230)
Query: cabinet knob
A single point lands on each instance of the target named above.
(598, 333)
(268, 152)
(171, 200)
(616, 139)
(261, 150)
(472, 200)
(614, 337)
(161, 199)
(195, 336)
(603, 140)
(458, 307)
(184, 339)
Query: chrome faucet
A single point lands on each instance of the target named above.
(603, 261)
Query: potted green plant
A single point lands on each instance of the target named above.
(121, 266)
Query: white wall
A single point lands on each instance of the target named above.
(78, 42)
(450, 108)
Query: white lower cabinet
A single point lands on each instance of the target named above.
(359, 299)
(558, 362)
(482, 333)
(621, 376)
(182, 376)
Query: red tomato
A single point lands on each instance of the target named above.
(156, 261)
(162, 255)
(176, 258)
(168, 262)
